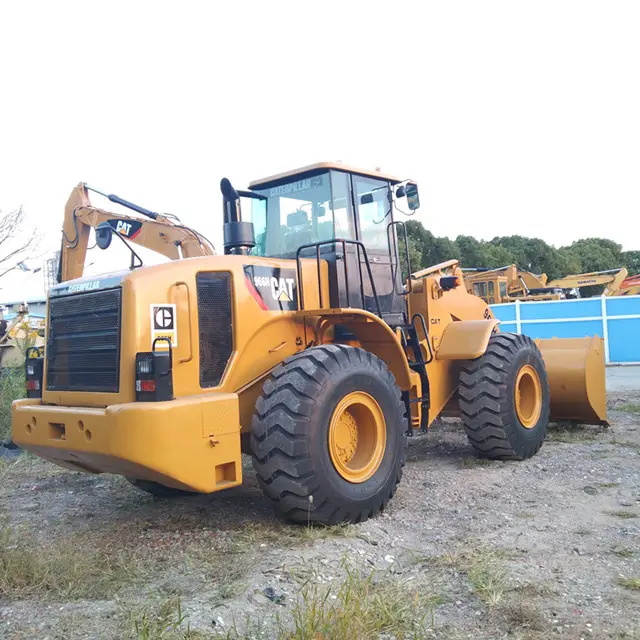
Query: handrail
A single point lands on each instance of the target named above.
(344, 242)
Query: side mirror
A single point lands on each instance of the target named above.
(319, 211)
(413, 200)
(104, 232)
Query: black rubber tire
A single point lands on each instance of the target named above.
(159, 490)
(289, 438)
(487, 399)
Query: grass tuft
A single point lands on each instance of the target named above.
(69, 569)
(11, 388)
(623, 514)
(572, 433)
(520, 615)
(165, 621)
(630, 583)
(488, 581)
(629, 407)
(622, 552)
(363, 605)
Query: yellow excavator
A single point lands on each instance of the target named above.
(499, 285)
(612, 279)
(303, 346)
(162, 233)
(507, 284)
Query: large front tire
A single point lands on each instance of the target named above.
(504, 398)
(328, 436)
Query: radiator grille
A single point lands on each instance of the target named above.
(83, 342)
(215, 325)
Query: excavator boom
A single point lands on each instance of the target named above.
(613, 278)
(160, 234)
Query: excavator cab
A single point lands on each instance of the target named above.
(324, 213)
(492, 290)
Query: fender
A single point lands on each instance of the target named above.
(374, 335)
(465, 340)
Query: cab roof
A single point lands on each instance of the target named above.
(319, 167)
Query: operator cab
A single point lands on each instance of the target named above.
(492, 291)
(299, 213)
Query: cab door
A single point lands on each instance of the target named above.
(372, 198)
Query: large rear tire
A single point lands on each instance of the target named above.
(504, 398)
(328, 436)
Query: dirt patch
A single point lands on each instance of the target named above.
(468, 548)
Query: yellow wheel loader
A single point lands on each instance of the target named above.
(302, 346)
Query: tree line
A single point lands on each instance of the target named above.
(530, 254)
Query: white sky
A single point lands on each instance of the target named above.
(514, 117)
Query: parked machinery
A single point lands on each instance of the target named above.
(303, 346)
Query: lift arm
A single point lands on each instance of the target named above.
(160, 234)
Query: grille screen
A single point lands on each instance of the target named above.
(83, 342)
(214, 322)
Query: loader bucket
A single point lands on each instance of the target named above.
(577, 382)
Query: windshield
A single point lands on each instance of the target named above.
(299, 212)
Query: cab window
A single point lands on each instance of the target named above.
(373, 209)
(480, 289)
(300, 211)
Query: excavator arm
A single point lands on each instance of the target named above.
(612, 278)
(160, 234)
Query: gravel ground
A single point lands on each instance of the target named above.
(545, 548)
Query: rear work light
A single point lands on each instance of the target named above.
(154, 375)
(33, 369)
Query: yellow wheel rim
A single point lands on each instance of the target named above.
(357, 437)
(528, 396)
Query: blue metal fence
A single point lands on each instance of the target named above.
(615, 319)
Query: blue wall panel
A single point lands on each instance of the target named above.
(504, 312)
(622, 306)
(578, 329)
(623, 332)
(560, 309)
(624, 340)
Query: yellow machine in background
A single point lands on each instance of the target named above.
(612, 279)
(162, 233)
(495, 286)
(507, 284)
(303, 346)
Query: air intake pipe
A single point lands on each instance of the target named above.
(239, 237)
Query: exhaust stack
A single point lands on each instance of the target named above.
(239, 237)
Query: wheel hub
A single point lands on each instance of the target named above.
(357, 437)
(346, 437)
(528, 396)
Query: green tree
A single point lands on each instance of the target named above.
(596, 254)
(631, 260)
(473, 253)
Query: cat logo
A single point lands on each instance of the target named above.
(128, 228)
(163, 325)
(273, 288)
(282, 289)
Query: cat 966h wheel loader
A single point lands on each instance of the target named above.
(304, 346)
